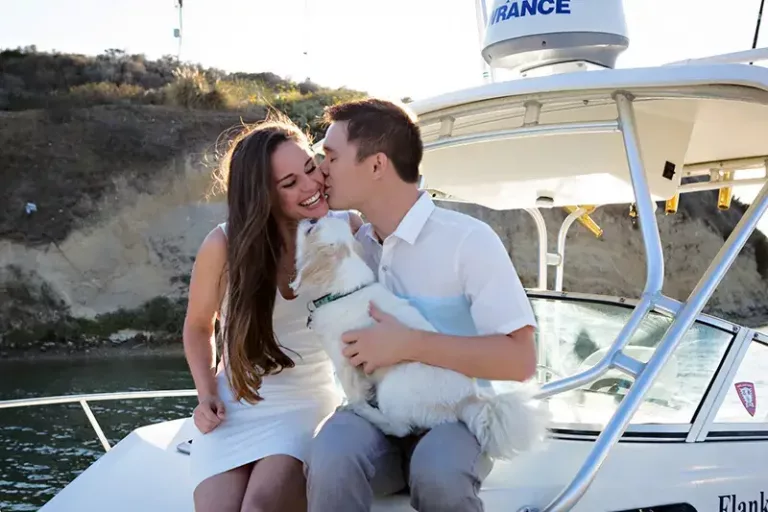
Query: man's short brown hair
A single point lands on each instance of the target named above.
(380, 126)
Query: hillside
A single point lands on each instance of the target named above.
(116, 151)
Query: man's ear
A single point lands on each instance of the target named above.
(380, 162)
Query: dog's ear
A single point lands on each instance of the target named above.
(300, 240)
(296, 283)
(320, 266)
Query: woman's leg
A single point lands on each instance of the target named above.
(223, 492)
(277, 484)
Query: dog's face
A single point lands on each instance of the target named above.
(322, 245)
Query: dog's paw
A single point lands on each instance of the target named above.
(396, 430)
(378, 419)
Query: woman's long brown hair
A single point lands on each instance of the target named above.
(254, 246)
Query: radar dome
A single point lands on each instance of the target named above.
(526, 34)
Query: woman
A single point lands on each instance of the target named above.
(259, 408)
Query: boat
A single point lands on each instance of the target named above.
(661, 413)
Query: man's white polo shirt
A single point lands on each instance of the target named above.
(453, 268)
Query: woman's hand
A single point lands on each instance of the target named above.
(208, 414)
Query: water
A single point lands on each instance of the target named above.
(42, 449)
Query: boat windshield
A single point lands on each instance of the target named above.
(740, 408)
(574, 333)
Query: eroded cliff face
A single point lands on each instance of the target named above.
(139, 249)
(112, 248)
(615, 264)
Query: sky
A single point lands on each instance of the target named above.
(389, 48)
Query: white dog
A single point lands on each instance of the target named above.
(408, 396)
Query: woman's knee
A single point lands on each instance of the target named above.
(275, 499)
(277, 483)
(222, 492)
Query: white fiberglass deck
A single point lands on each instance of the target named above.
(674, 450)
(144, 472)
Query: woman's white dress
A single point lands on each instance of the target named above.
(295, 402)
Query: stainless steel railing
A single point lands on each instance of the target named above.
(95, 397)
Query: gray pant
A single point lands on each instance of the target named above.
(352, 460)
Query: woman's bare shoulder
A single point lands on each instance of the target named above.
(208, 281)
(213, 250)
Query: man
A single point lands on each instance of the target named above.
(455, 269)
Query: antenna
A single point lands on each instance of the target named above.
(177, 31)
(554, 35)
(757, 28)
(305, 43)
(481, 17)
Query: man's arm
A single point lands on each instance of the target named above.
(493, 357)
(504, 348)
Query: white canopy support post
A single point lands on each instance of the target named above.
(541, 229)
(561, 235)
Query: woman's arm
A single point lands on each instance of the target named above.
(206, 290)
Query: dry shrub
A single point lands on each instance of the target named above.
(105, 92)
(191, 89)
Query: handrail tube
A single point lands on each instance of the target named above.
(526, 131)
(651, 243)
(654, 281)
(627, 364)
(752, 162)
(95, 425)
(754, 55)
(561, 235)
(667, 304)
(96, 397)
(605, 363)
(686, 317)
(541, 229)
(662, 305)
(716, 185)
(646, 208)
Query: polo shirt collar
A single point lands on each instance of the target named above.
(413, 223)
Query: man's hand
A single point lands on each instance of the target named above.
(378, 346)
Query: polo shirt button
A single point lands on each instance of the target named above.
(385, 268)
